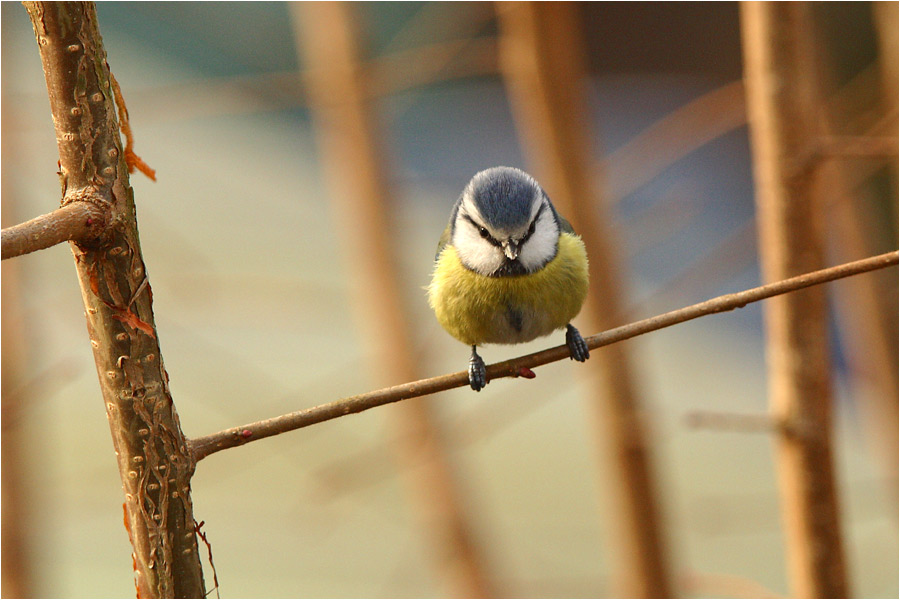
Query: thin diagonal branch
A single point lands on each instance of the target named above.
(236, 436)
(78, 221)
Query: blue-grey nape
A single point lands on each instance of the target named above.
(503, 196)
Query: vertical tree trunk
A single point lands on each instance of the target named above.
(542, 60)
(779, 69)
(153, 459)
(349, 142)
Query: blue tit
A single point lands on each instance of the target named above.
(508, 268)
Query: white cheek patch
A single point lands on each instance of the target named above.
(474, 251)
(542, 245)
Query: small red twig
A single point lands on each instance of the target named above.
(131, 159)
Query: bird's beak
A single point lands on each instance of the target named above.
(511, 249)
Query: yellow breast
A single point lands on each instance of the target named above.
(476, 309)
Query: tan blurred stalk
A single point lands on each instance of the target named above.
(355, 171)
(17, 576)
(779, 72)
(866, 306)
(886, 23)
(542, 61)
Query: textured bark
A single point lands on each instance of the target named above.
(780, 67)
(151, 451)
(542, 60)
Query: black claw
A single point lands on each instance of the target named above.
(477, 372)
(577, 346)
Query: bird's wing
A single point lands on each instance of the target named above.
(564, 226)
(448, 231)
(445, 239)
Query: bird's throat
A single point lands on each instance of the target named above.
(509, 268)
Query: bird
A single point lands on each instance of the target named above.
(508, 268)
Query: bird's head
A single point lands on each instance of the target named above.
(504, 224)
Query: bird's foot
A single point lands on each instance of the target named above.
(477, 372)
(577, 346)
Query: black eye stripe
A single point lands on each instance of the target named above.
(482, 231)
(533, 225)
(485, 234)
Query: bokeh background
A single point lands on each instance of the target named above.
(254, 303)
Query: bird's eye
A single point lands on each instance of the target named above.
(484, 232)
(531, 228)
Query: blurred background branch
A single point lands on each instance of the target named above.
(544, 66)
(784, 117)
(354, 162)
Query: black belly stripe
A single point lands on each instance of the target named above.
(515, 318)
